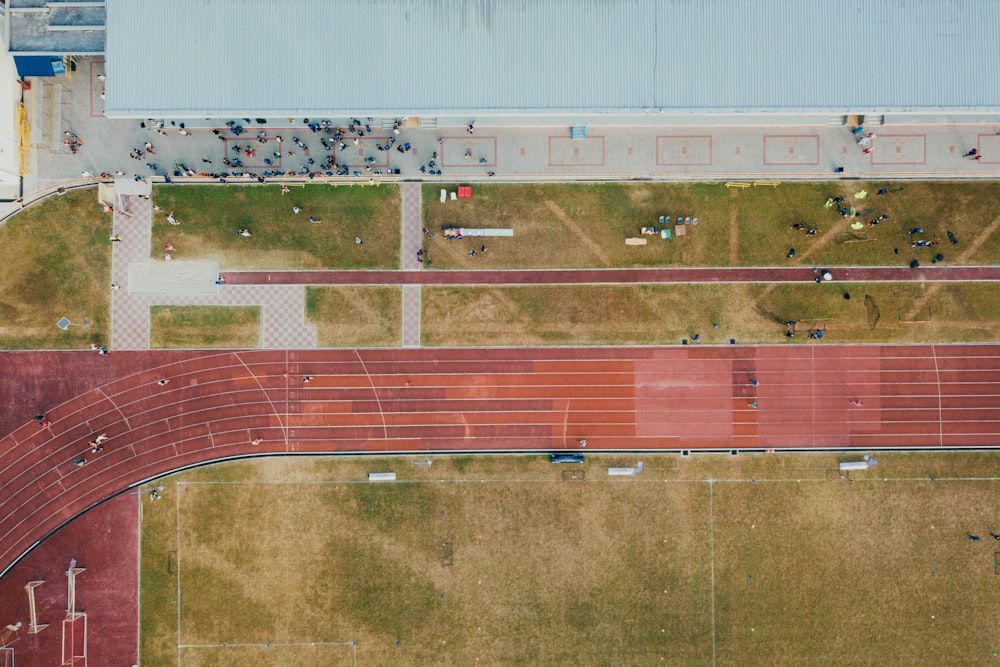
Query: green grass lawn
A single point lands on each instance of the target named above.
(187, 327)
(356, 316)
(211, 216)
(585, 225)
(750, 560)
(665, 314)
(55, 261)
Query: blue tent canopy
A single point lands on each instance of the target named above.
(38, 65)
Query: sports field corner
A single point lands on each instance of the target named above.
(755, 559)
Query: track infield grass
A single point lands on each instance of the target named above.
(191, 327)
(749, 313)
(209, 218)
(777, 561)
(585, 225)
(356, 316)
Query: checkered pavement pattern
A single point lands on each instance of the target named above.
(411, 315)
(283, 307)
(412, 221)
(133, 221)
(412, 240)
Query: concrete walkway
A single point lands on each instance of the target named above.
(412, 241)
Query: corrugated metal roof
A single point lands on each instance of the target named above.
(294, 57)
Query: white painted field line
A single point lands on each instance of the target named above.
(178, 564)
(138, 583)
(378, 401)
(267, 645)
(937, 378)
(711, 534)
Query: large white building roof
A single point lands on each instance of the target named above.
(393, 57)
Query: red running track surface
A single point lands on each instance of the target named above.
(441, 400)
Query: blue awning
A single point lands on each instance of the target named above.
(38, 65)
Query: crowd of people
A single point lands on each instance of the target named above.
(347, 150)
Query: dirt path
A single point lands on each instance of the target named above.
(587, 241)
(963, 256)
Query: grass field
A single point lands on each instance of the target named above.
(210, 217)
(356, 316)
(55, 261)
(573, 225)
(749, 560)
(187, 327)
(665, 314)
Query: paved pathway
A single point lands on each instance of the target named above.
(411, 315)
(282, 306)
(133, 221)
(412, 241)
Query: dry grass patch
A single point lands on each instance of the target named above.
(356, 316)
(157, 581)
(807, 568)
(569, 314)
(577, 225)
(210, 217)
(840, 573)
(580, 225)
(541, 574)
(665, 314)
(192, 327)
(303, 655)
(55, 261)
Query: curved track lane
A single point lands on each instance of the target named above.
(217, 405)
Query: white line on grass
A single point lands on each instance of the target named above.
(756, 480)
(711, 535)
(138, 583)
(270, 645)
(178, 565)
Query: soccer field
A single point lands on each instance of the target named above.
(764, 560)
